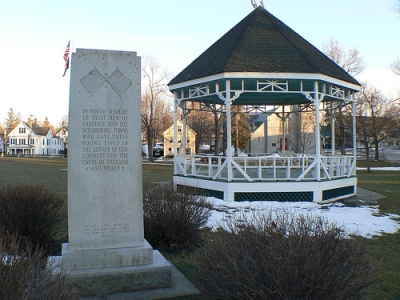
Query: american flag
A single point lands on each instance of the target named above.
(66, 59)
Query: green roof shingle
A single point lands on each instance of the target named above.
(261, 43)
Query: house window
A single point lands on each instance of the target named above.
(179, 129)
(32, 141)
(43, 143)
(22, 130)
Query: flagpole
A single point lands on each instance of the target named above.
(73, 48)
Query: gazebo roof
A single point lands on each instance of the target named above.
(261, 43)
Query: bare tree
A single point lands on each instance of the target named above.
(202, 123)
(154, 99)
(349, 60)
(376, 119)
(353, 63)
(64, 121)
(304, 127)
(395, 66)
(240, 130)
(218, 117)
(396, 6)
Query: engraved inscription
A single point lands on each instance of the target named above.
(105, 139)
(106, 230)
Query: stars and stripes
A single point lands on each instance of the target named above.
(66, 58)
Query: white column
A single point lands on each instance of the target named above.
(184, 138)
(317, 133)
(175, 141)
(228, 103)
(283, 144)
(333, 144)
(353, 115)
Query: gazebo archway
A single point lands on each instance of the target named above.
(258, 64)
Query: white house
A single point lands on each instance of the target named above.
(28, 138)
(62, 134)
(169, 140)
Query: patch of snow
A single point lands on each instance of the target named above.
(364, 221)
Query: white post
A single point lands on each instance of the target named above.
(175, 141)
(317, 133)
(184, 122)
(353, 106)
(333, 144)
(228, 103)
(283, 144)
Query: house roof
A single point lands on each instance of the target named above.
(261, 43)
(38, 130)
(171, 129)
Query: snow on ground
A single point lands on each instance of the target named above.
(382, 169)
(365, 220)
(362, 220)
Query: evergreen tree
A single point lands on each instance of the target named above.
(12, 119)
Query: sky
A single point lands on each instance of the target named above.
(34, 35)
(363, 220)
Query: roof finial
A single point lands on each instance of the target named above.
(254, 4)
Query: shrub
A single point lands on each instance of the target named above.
(25, 274)
(32, 212)
(284, 257)
(173, 220)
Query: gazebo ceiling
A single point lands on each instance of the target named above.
(265, 62)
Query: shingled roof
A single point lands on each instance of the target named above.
(262, 43)
(38, 130)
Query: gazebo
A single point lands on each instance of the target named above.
(261, 63)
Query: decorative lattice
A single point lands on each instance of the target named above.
(275, 196)
(204, 192)
(338, 192)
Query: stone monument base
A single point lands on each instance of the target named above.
(105, 271)
(106, 258)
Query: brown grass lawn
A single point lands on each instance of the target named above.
(52, 172)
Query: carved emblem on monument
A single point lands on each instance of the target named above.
(94, 80)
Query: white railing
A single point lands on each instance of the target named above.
(265, 167)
